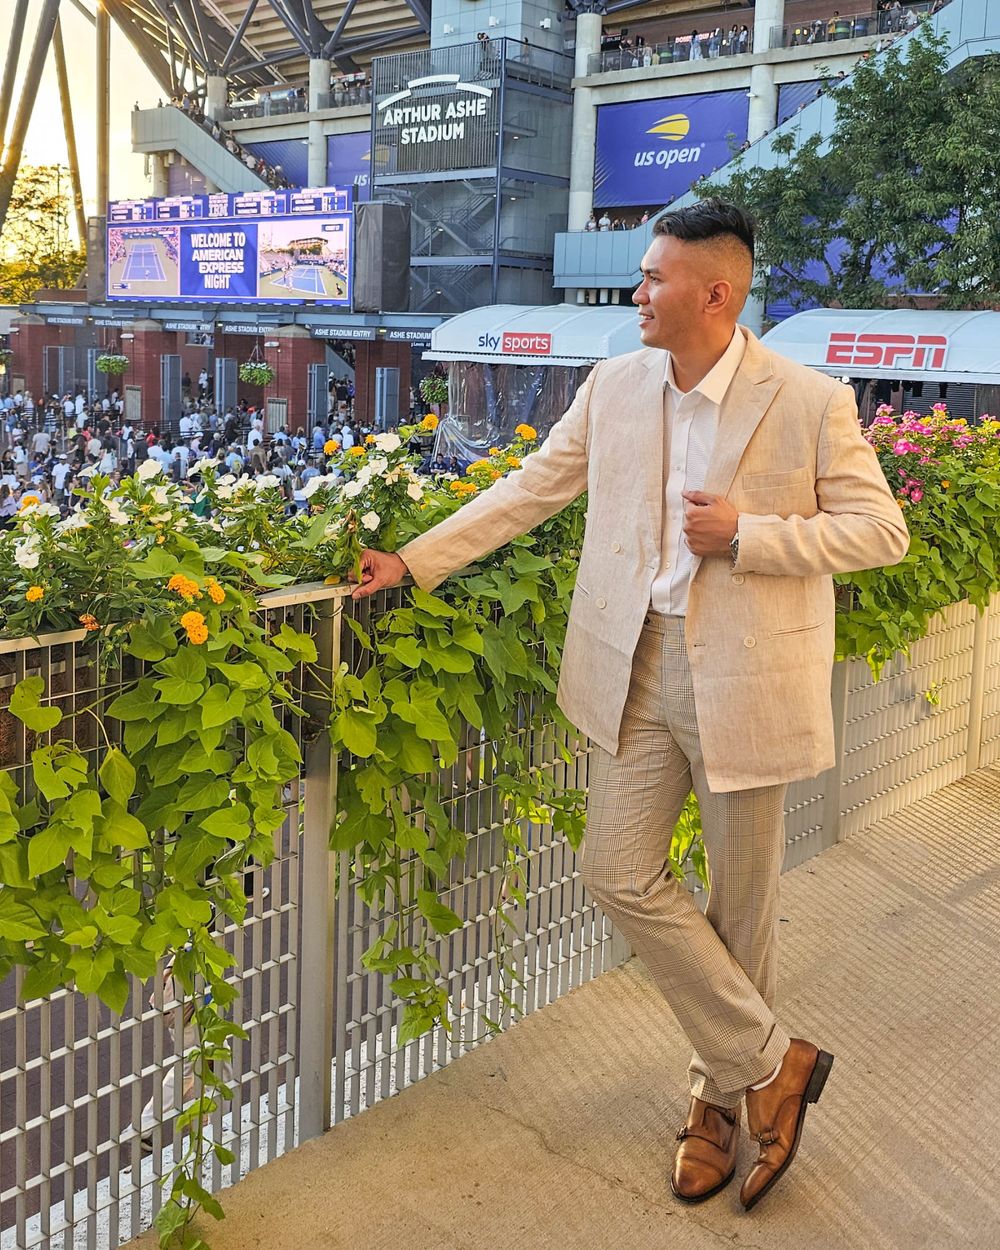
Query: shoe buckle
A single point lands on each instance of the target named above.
(767, 1137)
(681, 1133)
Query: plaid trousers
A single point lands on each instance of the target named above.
(717, 969)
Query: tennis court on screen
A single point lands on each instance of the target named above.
(143, 264)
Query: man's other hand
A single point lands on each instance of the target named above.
(379, 571)
(710, 523)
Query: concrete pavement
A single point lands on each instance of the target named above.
(560, 1134)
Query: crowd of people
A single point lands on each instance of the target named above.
(273, 175)
(51, 449)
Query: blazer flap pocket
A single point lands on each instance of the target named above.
(774, 481)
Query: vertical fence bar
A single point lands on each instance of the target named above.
(316, 916)
(832, 824)
(977, 689)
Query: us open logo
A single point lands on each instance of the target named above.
(671, 129)
(917, 351)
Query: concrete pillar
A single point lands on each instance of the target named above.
(319, 84)
(768, 18)
(161, 181)
(316, 153)
(581, 170)
(216, 96)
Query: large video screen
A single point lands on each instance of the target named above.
(261, 247)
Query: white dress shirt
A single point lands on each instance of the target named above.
(691, 419)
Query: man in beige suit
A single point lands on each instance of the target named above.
(726, 485)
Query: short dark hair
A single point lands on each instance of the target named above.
(708, 219)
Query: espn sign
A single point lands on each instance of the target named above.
(887, 351)
(526, 344)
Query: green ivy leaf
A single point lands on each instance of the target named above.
(137, 704)
(432, 604)
(121, 829)
(441, 919)
(230, 823)
(18, 923)
(24, 705)
(357, 729)
(221, 705)
(117, 776)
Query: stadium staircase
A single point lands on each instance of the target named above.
(611, 258)
(170, 129)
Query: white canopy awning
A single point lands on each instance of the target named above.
(904, 343)
(554, 334)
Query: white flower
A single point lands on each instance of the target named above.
(333, 529)
(353, 489)
(371, 520)
(224, 490)
(116, 512)
(364, 475)
(75, 521)
(89, 470)
(161, 494)
(388, 442)
(158, 517)
(227, 479)
(267, 481)
(415, 490)
(40, 509)
(148, 469)
(26, 555)
(206, 462)
(377, 465)
(314, 484)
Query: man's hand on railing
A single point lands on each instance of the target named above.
(379, 571)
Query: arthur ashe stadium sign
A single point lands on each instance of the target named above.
(436, 122)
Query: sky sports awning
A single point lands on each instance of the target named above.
(553, 334)
(905, 343)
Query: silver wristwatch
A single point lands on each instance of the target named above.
(734, 547)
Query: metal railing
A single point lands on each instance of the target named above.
(713, 44)
(74, 1079)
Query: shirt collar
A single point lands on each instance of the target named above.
(716, 382)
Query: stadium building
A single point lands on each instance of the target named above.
(452, 153)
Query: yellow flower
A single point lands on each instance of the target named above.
(369, 438)
(494, 451)
(330, 446)
(192, 620)
(478, 464)
(215, 591)
(514, 462)
(457, 487)
(527, 432)
(356, 451)
(945, 484)
(89, 622)
(160, 539)
(198, 635)
(34, 593)
(184, 586)
(495, 473)
(430, 422)
(29, 501)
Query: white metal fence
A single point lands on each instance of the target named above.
(322, 1032)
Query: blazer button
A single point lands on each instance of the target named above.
(616, 546)
(602, 603)
(737, 579)
(749, 642)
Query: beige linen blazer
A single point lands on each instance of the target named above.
(790, 456)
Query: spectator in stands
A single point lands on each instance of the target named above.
(604, 222)
(695, 54)
(743, 39)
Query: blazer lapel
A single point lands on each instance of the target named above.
(748, 398)
(644, 400)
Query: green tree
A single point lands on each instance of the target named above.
(37, 246)
(900, 198)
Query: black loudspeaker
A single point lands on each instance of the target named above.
(381, 257)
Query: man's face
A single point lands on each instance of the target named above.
(671, 295)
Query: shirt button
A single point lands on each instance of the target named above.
(602, 603)
(616, 546)
(749, 642)
(737, 579)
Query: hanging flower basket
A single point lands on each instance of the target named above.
(111, 363)
(256, 372)
(434, 389)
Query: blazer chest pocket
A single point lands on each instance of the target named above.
(774, 481)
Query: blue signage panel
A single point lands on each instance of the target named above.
(260, 248)
(649, 152)
(349, 162)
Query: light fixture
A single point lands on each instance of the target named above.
(545, 23)
(447, 30)
(493, 21)
(272, 343)
(126, 336)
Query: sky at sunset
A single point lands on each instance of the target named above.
(130, 81)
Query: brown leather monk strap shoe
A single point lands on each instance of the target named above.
(776, 1113)
(706, 1157)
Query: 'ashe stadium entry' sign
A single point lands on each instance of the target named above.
(261, 247)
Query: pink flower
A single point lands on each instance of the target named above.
(916, 494)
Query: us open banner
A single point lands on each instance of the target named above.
(254, 248)
(650, 152)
